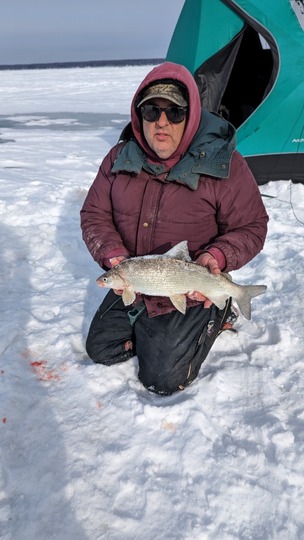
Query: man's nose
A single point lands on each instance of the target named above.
(163, 120)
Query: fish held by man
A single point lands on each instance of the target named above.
(174, 274)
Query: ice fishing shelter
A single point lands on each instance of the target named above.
(247, 57)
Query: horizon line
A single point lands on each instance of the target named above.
(83, 63)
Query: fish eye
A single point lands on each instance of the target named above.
(105, 279)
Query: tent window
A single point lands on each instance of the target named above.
(235, 80)
(250, 80)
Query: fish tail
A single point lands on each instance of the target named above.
(244, 300)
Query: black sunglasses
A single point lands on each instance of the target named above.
(174, 113)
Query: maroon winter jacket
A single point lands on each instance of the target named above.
(205, 194)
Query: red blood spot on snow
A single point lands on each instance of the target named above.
(4, 420)
(38, 364)
(43, 373)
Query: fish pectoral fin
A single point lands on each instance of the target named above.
(179, 302)
(128, 296)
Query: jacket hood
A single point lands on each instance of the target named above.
(175, 72)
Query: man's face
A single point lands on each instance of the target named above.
(163, 136)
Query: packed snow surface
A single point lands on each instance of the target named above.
(86, 452)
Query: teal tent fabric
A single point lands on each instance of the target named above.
(248, 60)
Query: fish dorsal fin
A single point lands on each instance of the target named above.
(180, 251)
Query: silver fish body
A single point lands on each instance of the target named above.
(174, 275)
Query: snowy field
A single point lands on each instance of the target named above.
(85, 452)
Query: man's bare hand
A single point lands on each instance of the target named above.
(208, 261)
(116, 260)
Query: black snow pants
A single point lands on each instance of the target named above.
(170, 348)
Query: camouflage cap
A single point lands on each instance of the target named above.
(166, 91)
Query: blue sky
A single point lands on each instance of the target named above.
(35, 31)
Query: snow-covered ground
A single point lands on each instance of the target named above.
(86, 452)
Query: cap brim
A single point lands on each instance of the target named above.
(180, 102)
